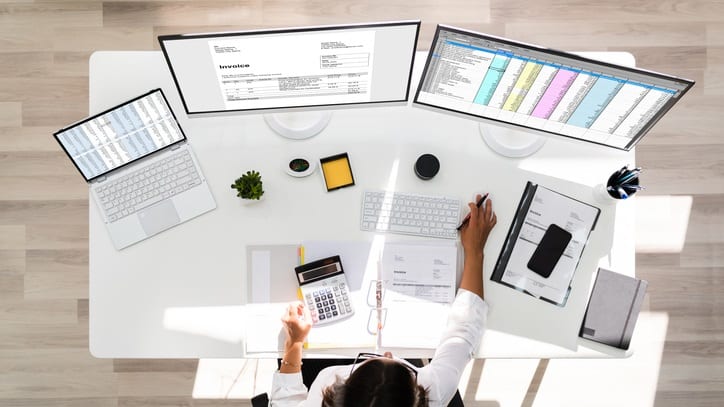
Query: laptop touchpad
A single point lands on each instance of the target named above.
(159, 217)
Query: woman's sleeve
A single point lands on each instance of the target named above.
(459, 342)
(287, 390)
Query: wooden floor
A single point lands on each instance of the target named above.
(44, 50)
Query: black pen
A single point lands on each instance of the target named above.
(467, 217)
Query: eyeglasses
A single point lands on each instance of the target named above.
(364, 356)
(378, 314)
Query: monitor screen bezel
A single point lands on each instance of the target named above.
(634, 140)
(162, 39)
(118, 106)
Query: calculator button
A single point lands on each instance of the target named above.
(349, 309)
(322, 317)
(329, 315)
(336, 288)
(346, 303)
(335, 313)
(345, 297)
(334, 307)
(331, 302)
(316, 298)
(341, 311)
(319, 305)
(325, 303)
(324, 297)
(326, 309)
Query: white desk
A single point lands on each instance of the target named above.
(181, 293)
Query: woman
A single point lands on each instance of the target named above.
(384, 380)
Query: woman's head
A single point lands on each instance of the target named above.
(377, 382)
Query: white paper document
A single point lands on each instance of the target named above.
(546, 208)
(314, 69)
(419, 273)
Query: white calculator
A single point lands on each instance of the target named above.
(325, 290)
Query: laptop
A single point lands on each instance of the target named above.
(139, 166)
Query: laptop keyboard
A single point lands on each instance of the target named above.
(410, 214)
(146, 186)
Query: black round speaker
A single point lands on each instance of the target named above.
(427, 166)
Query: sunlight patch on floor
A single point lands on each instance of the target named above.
(661, 223)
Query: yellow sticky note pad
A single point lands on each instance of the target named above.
(337, 171)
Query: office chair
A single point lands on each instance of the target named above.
(262, 400)
(312, 367)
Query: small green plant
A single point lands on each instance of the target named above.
(249, 186)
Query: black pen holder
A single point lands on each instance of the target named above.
(608, 193)
(612, 186)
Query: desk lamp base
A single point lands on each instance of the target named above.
(510, 143)
(298, 125)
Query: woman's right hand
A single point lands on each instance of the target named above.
(474, 234)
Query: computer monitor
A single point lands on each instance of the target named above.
(293, 69)
(503, 82)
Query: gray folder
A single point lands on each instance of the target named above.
(613, 309)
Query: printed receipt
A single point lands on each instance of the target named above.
(413, 273)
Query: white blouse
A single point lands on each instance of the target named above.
(465, 327)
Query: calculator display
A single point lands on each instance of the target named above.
(319, 269)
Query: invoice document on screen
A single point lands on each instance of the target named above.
(313, 69)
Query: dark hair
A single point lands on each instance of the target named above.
(376, 383)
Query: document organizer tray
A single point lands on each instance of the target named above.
(503, 269)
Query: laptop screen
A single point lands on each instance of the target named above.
(121, 135)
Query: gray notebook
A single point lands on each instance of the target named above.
(613, 309)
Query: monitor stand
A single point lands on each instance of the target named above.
(298, 125)
(510, 143)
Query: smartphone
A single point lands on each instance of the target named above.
(549, 250)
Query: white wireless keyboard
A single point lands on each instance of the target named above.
(410, 214)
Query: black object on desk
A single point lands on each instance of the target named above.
(549, 250)
(427, 166)
(623, 183)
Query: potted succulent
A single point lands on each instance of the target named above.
(249, 186)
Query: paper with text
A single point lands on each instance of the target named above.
(314, 69)
(549, 207)
(414, 273)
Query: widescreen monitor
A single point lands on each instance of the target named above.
(510, 83)
(306, 67)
